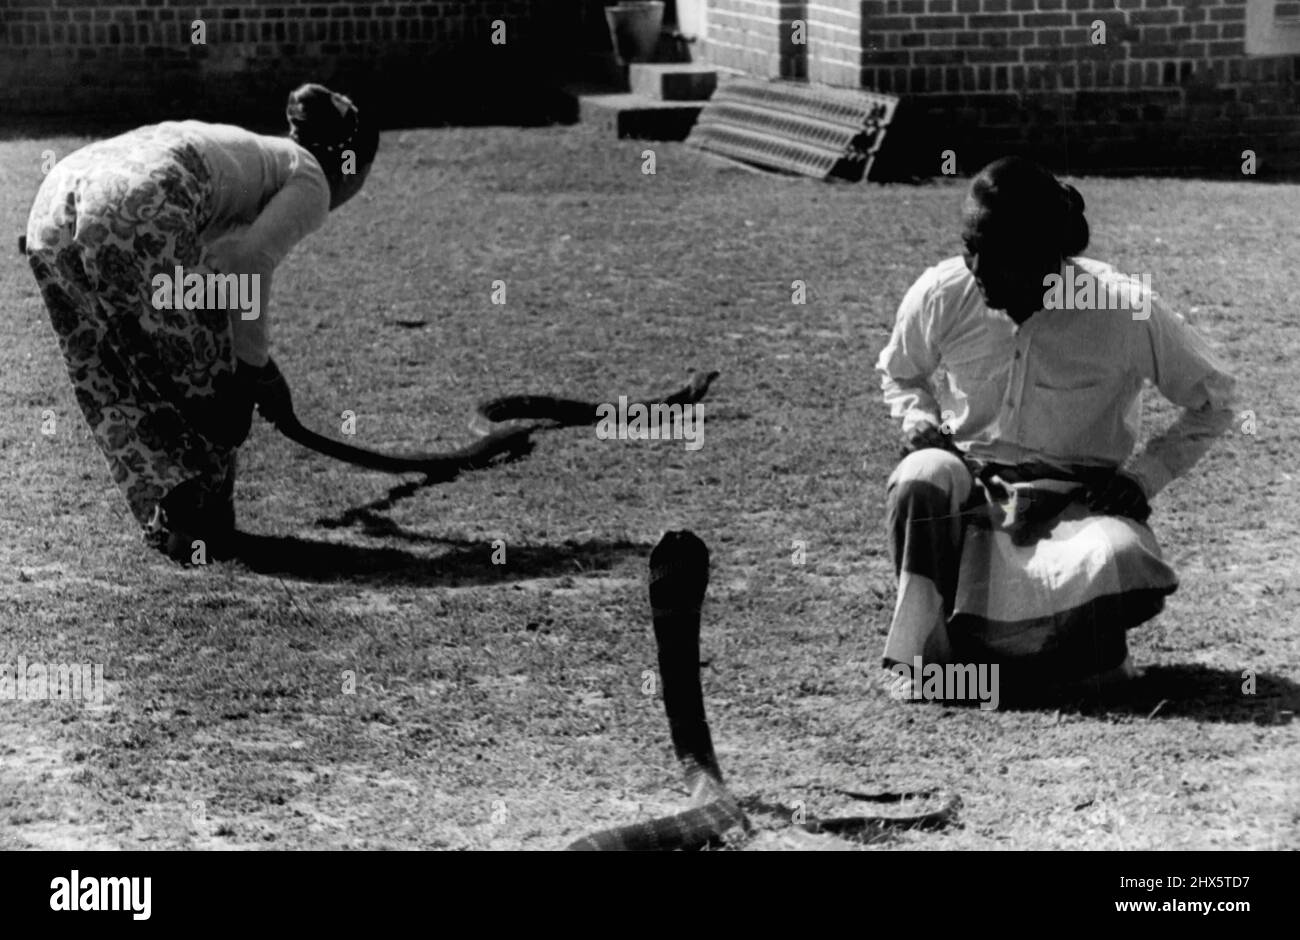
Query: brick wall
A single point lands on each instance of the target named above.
(427, 60)
(754, 36)
(835, 42)
(1172, 85)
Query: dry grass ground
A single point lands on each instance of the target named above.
(501, 706)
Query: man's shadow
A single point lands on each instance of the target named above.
(1177, 691)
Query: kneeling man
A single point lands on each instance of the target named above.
(1018, 512)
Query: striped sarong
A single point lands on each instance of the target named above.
(1054, 594)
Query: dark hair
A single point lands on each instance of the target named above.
(327, 123)
(1019, 192)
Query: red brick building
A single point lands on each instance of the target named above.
(1175, 85)
(1083, 83)
(445, 60)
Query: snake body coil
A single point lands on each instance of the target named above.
(504, 426)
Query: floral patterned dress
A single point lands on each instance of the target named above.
(105, 221)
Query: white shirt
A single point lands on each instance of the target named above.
(269, 193)
(1065, 387)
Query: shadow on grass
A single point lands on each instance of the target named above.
(367, 517)
(1179, 691)
(465, 563)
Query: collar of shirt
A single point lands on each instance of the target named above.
(1060, 388)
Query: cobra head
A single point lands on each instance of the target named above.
(679, 573)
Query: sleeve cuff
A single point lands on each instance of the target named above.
(917, 415)
(1150, 474)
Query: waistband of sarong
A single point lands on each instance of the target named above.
(1037, 470)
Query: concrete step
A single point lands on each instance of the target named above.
(672, 81)
(600, 68)
(637, 116)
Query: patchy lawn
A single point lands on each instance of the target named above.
(501, 706)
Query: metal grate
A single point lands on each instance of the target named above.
(819, 132)
(766, 150)
(806, 130)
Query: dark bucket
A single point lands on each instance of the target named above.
(634, 29)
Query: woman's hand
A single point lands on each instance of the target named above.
(226, 416)
(267, 388)
(227, 253)
(250, 329)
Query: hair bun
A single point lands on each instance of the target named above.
(1075, 234)
(1073, 200)
(319, 116)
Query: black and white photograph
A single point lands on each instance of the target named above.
(645, 426)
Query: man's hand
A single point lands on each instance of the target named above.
(1121, 495)
(268, 389)
(926, 434)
